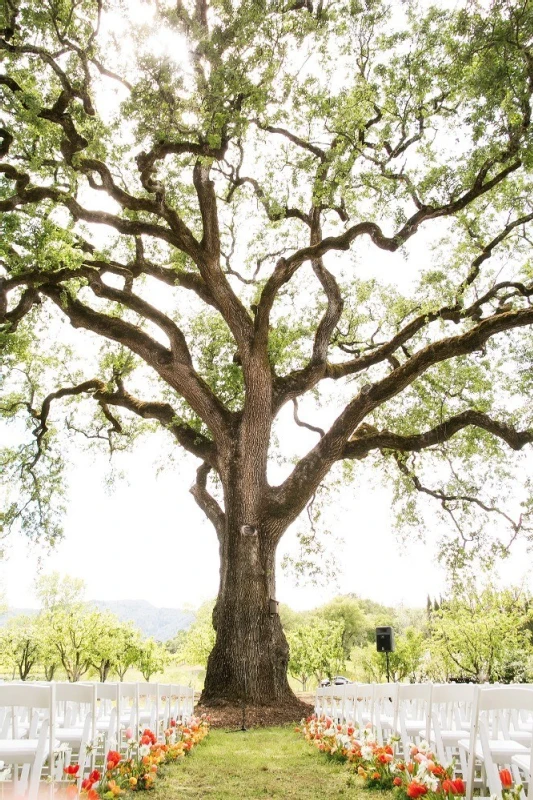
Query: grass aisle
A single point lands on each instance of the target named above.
(261, 763)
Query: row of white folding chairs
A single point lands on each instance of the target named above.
(40, 721)
(129, 706)
(491, 726)
(29, 738)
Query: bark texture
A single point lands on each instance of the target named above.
(250, 658)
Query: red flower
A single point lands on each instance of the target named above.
(415, 790)
(448, 786)
(173, 723)
(375, 776)
(506, 778)
(459, 785)
(87, 784)
(92, 794)
(397, 781)
(113, 757)
(72, 769)
(94, 776)
(151, 739)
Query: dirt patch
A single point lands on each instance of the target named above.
(255, 716)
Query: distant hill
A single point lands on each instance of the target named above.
(161, 623)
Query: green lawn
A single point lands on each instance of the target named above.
(261, 763)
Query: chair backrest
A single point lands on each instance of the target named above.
(413, 708)
(183, 701)
(107, 691)
(129, 712)
(364, 704)
(496, 702)
(25, 695)
(164, 697)
(384, 709)
(80, 700)
(16, 696)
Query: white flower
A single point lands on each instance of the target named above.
(366, 753)
(144, 750)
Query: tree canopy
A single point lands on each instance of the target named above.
(201, 202)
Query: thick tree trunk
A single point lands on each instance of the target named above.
(250, 657)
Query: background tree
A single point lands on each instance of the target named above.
(110, 646)
(316, 650)
(20, 646)
(75, 634)
(50, 660)
(247, 181)
(481, 636)
(55, 591)
(128, 641)
(199, 640)
(151, 658)
(348, 613)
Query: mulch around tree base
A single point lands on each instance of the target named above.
(227, 716)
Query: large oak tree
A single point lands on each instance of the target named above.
(205, 192)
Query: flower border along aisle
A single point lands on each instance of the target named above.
(137, 770)
(377, 765)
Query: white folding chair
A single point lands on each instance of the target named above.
(452, 706)
(148, 705)
(349, 708)
(329, 701)
(162, 721)
(183, 702)
(128, 704)
(38, 744)
(385, 710)
(489, 744)
(79, 731)
(319, 700)
(364, 705)
(107, 711)
(413, 721)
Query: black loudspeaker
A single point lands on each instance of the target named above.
(385, 640)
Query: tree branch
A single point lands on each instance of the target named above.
(181, 376)
(309, 472)
(363, 442)
(285, 268)
(207, 502)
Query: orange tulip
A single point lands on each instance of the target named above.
(506, 778)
